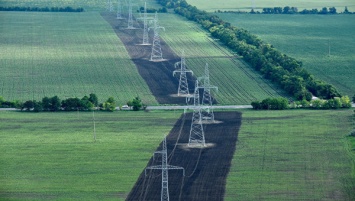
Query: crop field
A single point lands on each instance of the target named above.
(308, 38)
(54, 156)
(293, 155)
(88, 5)
(206, 169)
(236, 82)
(242, 5)
(65, 54)
(280, 155)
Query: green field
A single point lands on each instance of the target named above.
(308, 38)
(280, 155)
(65, 54)
(54, 156)
(293, 155)
(237, 83)
(247, 5)
(88, 5)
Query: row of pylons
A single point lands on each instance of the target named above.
(202, 108)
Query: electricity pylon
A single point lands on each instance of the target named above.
(183, 84)
(109, 6)
(164, 167)
(156, 54)
(145, 28)
(197, 135)
(119, 10)
(207, 111)
(130, 16)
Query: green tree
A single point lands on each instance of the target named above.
(109, 105)
(345, 102)
(136, 104)
(28, 105)
(1, 100)
(93, 99)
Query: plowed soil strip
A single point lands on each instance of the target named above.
(205, 169)
(158, 75)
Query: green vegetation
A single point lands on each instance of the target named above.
(54, 156)
(68, 55)
(86, 4)
(298, 155)
(271, 104)
(308, 39)
(236, 81)
(45, 9)
(240, 5)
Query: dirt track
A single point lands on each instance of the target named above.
(206, 169)
(158, 75)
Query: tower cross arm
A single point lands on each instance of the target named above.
(172, 167)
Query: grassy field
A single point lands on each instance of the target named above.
(236, 82)
(243, 5)
(54, 156)
(88, 5)
(293, 155)
(65, 54)
(281, 155)
(307, 38)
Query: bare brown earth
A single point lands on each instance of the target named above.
(158, 75)
(206, 169)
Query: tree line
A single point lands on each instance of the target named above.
(281, 69)
(42, 9)
(292, 10)
(282, 104)
(54, 104)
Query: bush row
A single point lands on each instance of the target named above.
(282, 103)
(271, 63)
(53, 104)
(39, 9)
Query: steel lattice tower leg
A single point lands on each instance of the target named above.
(183, 84)
(156, 54)
(109, 6)
(119, 10)
(197, 136)
(207, 98)
(164, 174)
(207, 111)
(130, 16)
(145, 29)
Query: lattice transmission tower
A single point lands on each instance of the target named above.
(130, 16)
(145, 24)
(197, 135)
(109, 5)
(119, 10)
(156, 54)
(164, 167)
(207, 110)
(183, 89)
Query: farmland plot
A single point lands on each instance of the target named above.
(298, 155)
(241, 5)
(237, 83)
(205, 169)
(325, 44)
(69, 55)
(88, 5)
(53, 156)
